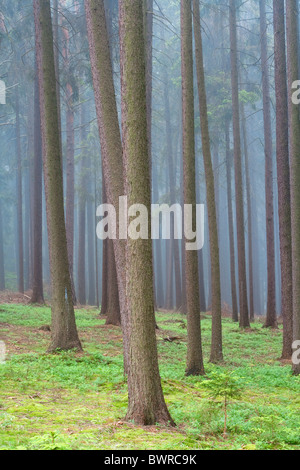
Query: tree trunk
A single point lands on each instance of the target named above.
(37, 284)
(81, 288)
(283, 177)
(235, 313)
(243, 298)
(194, 355)
(216, 353)
(146, 400)
(64, 332)
(70, 164)
(172, 185)
(19, 187)
(271, 320)
(90, 214)
(249, 215)
(292, 18)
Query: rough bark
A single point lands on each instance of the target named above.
(146, 401)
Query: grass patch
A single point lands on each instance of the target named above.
(78, 401)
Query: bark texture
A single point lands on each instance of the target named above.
(146, 401)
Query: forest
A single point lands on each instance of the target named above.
(149, 225)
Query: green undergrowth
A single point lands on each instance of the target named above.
(78, 401)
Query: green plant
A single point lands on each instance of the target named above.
(224, 386)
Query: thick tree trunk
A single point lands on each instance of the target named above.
(216, 353)
(243, 297)
(283, 177)
(194, 354)
(292, 18)
(146, 401)
(271, 320)
(64, 332)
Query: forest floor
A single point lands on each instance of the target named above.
(78, 401)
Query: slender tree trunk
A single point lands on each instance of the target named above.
(249, 215)
(70, 164)
(243, 298)
(37, 284)
(283, 177)
(82, 216)
(174, 243)
(19, 187)
(158, 250)
(292, 18)
(64, 332)
(194, 355)
(216, 354)
(91, 247)
(271, 320)
(235, 313)
(146, 400)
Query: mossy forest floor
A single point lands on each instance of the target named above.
(78, 401)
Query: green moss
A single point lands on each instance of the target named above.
(78, 401)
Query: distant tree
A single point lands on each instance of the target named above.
(194, 354)
(271, 320)
(243, 297)
(37, 281)
(19, 191)
(229, 165)
(216, 354)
